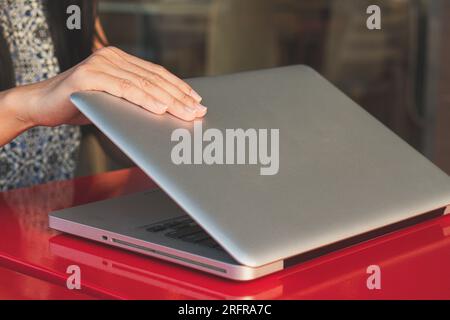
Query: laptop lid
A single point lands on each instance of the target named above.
(333, 173)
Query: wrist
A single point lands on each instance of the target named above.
(14, 104)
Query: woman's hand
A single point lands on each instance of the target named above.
(113, 71)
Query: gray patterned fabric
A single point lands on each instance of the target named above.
(41, 154)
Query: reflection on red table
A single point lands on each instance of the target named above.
(18, 286)
(414, 262)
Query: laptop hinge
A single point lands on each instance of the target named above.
(345, 243)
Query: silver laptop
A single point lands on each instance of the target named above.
(318, 174)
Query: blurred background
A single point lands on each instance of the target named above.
(400, 74)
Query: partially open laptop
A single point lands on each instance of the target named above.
(341, 178)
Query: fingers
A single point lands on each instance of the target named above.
(157, 69)
(181, 111)
(186, 109)
(123, 88)
(168, 87)
(140, 82)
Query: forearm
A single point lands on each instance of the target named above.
(12, 123)
(111, 70)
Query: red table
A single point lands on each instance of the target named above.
(414, 262)
(18, 286)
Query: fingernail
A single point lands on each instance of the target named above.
(201, 107)
(196, 96)
(201, 110)
(190, 109)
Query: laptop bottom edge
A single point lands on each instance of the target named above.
(231, 271)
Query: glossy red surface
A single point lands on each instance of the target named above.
(414, 262)
(18, 286)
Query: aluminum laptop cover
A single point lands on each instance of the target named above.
(341, 173)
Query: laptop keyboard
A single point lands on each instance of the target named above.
(184, 229)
